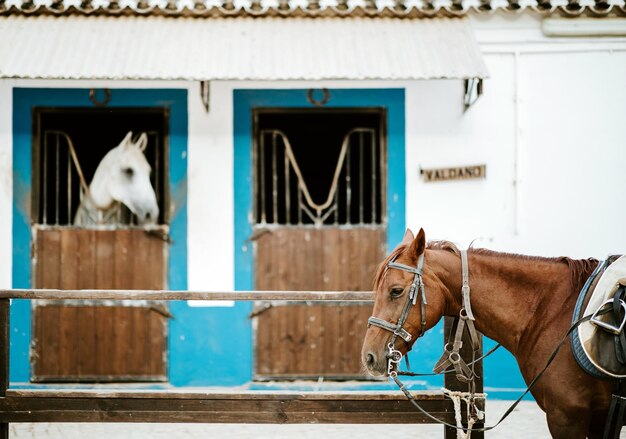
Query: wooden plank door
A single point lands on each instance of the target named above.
(309, 341)
(95, 341)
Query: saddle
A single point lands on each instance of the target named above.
(599, 344)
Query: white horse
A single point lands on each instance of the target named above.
(123, 176)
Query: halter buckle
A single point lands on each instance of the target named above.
(403, 334)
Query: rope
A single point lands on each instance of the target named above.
(468, 398)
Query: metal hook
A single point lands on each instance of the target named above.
(103, 102)
(321, 102)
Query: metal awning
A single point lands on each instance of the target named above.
(79, 47)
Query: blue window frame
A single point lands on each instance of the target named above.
(24, 99)
(392, 99)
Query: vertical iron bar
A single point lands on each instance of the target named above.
(57, 183)
(44, 185)
(382, 172)
(299, 204)
(287, 186)
(262, 175)
(157, 170)
(361, 179)
(255, 173)
(69, 186)
(336, 205)
(348, 186)
(374, 177)
(274, 180)
(5, 333)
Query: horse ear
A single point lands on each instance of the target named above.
(419, 244)
(128, 140)
(142, 142)
(408, 237)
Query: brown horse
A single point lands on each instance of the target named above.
(525, 303)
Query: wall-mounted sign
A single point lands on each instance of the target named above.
(456, 173)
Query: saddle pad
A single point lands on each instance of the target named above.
(597, 344)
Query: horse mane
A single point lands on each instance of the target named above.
(580, 269)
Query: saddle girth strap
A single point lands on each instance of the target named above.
(615, 417)
(618, 313)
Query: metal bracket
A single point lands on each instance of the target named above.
(473, 90)
(205, 94)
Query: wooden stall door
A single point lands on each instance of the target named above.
(309, 341)
(96, 341)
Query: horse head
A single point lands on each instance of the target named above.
(393, 287)
(123, 175)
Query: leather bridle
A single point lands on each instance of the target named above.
(394, 356)
(451, 356)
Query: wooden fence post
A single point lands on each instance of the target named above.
(452, 383)
(5, 332)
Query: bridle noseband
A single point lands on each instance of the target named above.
(417, 289)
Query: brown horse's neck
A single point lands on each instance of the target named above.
(512, 296)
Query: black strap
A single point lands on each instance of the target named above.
(416, 374)
(618, 315)
(517, 401)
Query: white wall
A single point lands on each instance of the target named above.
(6, 184)
(440, 134)
(573, 129)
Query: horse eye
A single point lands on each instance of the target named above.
(128, 172)
(396, 292)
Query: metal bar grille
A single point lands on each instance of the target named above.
(353, 196)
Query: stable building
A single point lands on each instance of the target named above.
(291, 144)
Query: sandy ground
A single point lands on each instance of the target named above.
(527, 421)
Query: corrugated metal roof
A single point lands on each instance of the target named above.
(311, 8)
(239, 48)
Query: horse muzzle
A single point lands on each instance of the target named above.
(148, 215)
(375, 364)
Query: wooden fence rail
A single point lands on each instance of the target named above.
(224, 406)
(338, 296)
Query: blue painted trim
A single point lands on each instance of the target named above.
(24, 99)
(244, 102)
